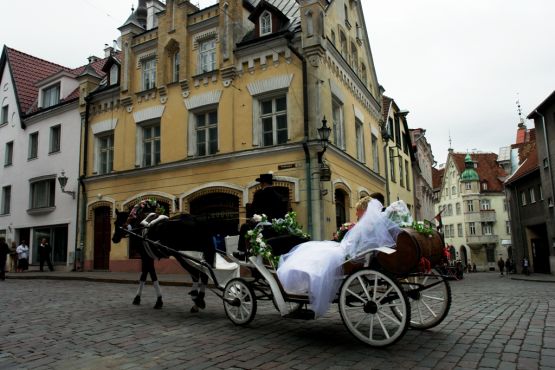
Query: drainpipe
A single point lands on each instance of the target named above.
(548, 154)
(308, 166)
(82, 205)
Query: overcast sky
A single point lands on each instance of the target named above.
(457, 66)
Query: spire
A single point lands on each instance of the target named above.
(519, 109)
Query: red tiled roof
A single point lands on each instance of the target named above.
(26, 71)
(437, 177)
(528, 159)
(386, 103)
(488, 169)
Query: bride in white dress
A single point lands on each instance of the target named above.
(315, 267)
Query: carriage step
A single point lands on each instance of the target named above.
(301, 314)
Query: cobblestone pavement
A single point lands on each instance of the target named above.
(60, 324)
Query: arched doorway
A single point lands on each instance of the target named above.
(464, 256)
(340, 208)
(221, 210)
(102, 244)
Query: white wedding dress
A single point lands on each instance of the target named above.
(315, 267)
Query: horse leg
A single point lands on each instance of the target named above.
(199, 299)
(155, 283)
(142, 282)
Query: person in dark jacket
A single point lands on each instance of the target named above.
(44, 254)
(266, 201)
(4, 251)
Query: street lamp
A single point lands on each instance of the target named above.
(63, 181)
(324, 134)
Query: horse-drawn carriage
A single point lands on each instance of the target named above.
(380, 294)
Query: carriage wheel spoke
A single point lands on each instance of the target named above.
(361, 320)
(371, 329)
(363, 285)
(391, 318)
(383, 326)
(356, 295)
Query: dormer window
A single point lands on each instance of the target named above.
(114, 71)
(51, 96)
(265, 23)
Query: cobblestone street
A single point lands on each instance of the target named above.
(61, 324)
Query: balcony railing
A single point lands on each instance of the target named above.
(484, 215)
(482, 239)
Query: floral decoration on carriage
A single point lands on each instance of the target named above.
(286, 226)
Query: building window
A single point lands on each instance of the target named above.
(471, 228)
(490, 254)
(459, 230)
(43, 193)
(532, 196)
(453, 190)
(508, 227)
(390, 129)
(149, 74)
(333, 38)
(51, 96)
(274, 120)
(470, 206)
(485, 204)
(151, 145)
(449, 210)
(265, 23)
(391, 165)
(484, 186)
(33, 145)
(458, 208)
(6, 199)
(175, 67)
(5, 113)
(207, 56)
(375, 154)
(207, 133)
(114, 72)
(522, 198)
(8, 154)
(363, 74)
(468, 186)
(487, 228)
(401, 173)
(407, 174)
(55, 138)
(105, 153)
(343, 45)
(338, 123)
(354, 58)
(360, 141)
(540, 191)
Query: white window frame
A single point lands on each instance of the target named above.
(471, 228)
(338, 126)
(468, 186)
(101, 151)
(458, 208)
(148, 73)
(487, 228)
(273, 115)
(6, 200)
(8, 154)
(207, 55)
(470, 206)
(485, 204)
(265, 22)
(50, 95)
(55, 144)
(143, 143)
(532, 195)
(207, 129)
(33, 150)
(453, 190)
(114, 74)
(48, 193)
(175, 66)
(361, 155)
(5, 115)
(523, 198)
(460, 230)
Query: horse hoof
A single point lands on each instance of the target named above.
(137, 300)
(199, 301)
(159, 303)
(194, 309)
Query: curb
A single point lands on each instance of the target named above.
(95, 279)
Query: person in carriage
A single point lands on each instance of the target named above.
(315, 267)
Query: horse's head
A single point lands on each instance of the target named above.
(121, 222)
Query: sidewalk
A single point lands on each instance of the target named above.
(102, 276)
(176, 279)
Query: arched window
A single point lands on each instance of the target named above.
(265, 23)
(363, 74)
(354, 58)
(343, 45)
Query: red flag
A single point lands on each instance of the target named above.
(439, 222)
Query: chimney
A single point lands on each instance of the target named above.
(108, 50)
(93, 59)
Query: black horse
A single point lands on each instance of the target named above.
(164, 239)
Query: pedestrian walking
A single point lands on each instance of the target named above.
(44, 255)
(501, 265)
(22, 256)
(525, 266)
(4, 251)
(508, 266)
(13, 257)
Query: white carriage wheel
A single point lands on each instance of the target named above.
(239, 302)
(429, 297)
(366, 301)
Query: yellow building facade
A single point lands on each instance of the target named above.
(199, 102)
